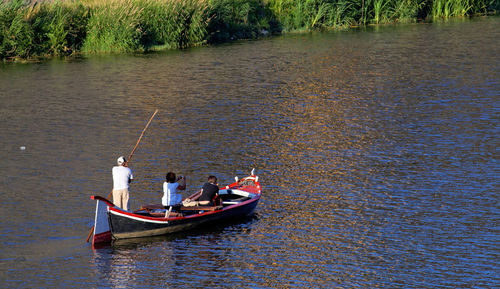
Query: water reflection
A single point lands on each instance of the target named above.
(192, 257)
(377, 151)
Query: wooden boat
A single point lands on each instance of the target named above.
(237, 200)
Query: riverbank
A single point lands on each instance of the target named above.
(47, 29)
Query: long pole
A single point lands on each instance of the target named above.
(129, 158)
(140, 137)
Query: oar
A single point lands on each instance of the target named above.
(126, 163)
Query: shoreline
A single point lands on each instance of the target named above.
(44, 30)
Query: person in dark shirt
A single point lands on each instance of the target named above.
(209, 192)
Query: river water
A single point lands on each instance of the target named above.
(378, 151)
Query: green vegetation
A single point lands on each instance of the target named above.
(41, 29)
(54, 28)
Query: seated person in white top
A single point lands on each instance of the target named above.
(170, 187)
(122, 176)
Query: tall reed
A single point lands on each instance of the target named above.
(302, 14)
(113, 26)
(173, 24)
(379, 11)
(366, 11)
(236, 19)
(406, 11)
(16, 35)
(450, 8)
(51, 28)
(339, 16)
(133, 25)
(60, 27)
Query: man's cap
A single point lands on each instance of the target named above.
(121, 160)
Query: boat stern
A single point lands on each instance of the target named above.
(102, 231)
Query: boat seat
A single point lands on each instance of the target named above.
(158, 210)
(162, 214)
(200, 208)
(151, 207)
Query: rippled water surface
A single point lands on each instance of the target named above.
(377, 150)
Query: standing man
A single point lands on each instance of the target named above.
(122, 176)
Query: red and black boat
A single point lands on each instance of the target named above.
(237, 200)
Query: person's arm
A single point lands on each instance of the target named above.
(182, 184)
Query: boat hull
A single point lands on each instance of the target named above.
(127, 225)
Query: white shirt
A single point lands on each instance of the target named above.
(170, 196)
(121, 177)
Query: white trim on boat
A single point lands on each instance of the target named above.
(138, 219)
(237, 192)
(230, 203)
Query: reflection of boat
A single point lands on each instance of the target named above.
(214, 231)
(237, 200)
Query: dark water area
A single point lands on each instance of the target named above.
(378, 152)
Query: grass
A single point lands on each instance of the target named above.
(450, 8)
(113, 26)
(62, 27)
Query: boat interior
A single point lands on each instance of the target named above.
(228, 197)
